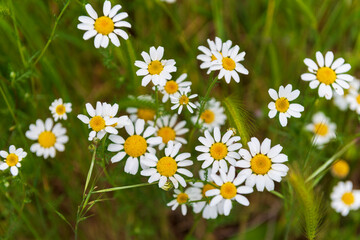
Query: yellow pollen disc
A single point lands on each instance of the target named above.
(155, 67)
(171, 87)
(321, 129)
(206, 188)
(135, 146)
(60, 109)
(340, 169)
(166, 166)
(282, 104)
(97, 123)
(146, 114)
(47, 139)
(213, 58)
(260, 164)
(228, 63)
(326, 75)
(228, 190)
(208, 116)
(12, 159)
(184, 100)
(104, 25)
(218, 151)
(348, 198)
(358, 99)
(182, 198)
(167, 134)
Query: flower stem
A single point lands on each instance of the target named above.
(90, 171)
(124, 187)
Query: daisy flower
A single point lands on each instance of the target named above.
(353, 98)
(50, 137)
(182, 198)
(12, 159)
(228, 63)
(323, 129)
(104, 27)
(343, 101)
(181, 99)
(344, 198)
(111, 111)
(154, 68)
(327, 74)
(229, 190)
(207, 57)
(169, 167)
(217, 151)
(59, 109)
(100, 122)
(171, 87)
(340, 169)
(263, 164)
(147, 114)
(282, 104)
(212, 116)
(139, 142)
(167, 128)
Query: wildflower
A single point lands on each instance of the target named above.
(327, 73)
(111, 112)
(145, 113)
(344, 198)
(343, 101)
(104, 27)
(12, 159)
(340, 169)
(183, 198)
(171, 87)
(181, 99)
(50, 137)
(263, 164)
(353, 99)
(59, 109)
(282, 104)
(323, 129)
(212, 116)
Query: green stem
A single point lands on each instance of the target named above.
(156, 103)
(124, 187)
(90, 171)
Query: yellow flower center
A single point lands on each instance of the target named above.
(260, 164)
(60, 109)
(47, 139)
(12, 159)
(135, 146)
(206, 188)
(104, 25)
(97, 123)
(326, 75)
(166, 166)
(155, 67)
(167, 134)
(340, 169)
(228, 63)
(171, 87)
(218, 150)
(348, 198)
(184, 100)
(321, 129)
(182, 198)
(228, 190)
(146, 114)
(282, 104)
(213, 58)
(208, 116)
(358, 99)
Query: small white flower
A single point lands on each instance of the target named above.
(212, 116)
(12, 159)
(169, 1)
(111, 111)
(50, 137)
(282, 104)
(154, 68)
(139, 142)
(169, 167)
(145, 113)
(181, 99)
(343, 101)
(59, 109)
(344, 198)
(327, 73)
(323, 129)
(217, 150)
(171, 87)
(353, 96)
(229, 190)
(182, 198)
(263, 164)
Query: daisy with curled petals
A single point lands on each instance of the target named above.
(208, 57)
(282, 104)
(59, 109)
(104, 27)
(212, 116)
(139, 142)
(169, 130)
(145, 113)
(327, 74)
(171, 87)
(183, 198)
(343, 101)
(228, 63)
(51, 138)
(217, 151)
(169, 167)
(181, 99)
(323, 129)
(263, 164)
(154, 68)
(344, 198)
(228, 190)
(100, 122)
(111, 111)
(12, 159)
